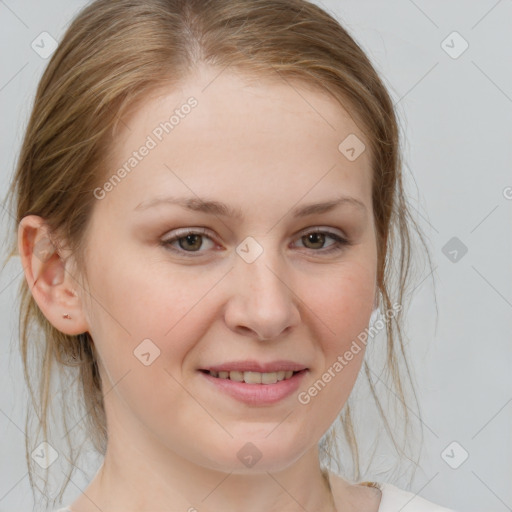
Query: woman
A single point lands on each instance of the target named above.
(206, 199)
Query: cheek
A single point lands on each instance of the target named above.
(135, 300)
(343, 303)
(144, 325)
(340, 309)
(131, 293)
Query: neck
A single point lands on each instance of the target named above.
(129, 482)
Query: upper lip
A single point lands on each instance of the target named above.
(256, 366)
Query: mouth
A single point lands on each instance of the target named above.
(253, 388)
(251, 377)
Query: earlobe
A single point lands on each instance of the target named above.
(48, 278)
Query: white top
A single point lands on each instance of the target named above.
(393, 499)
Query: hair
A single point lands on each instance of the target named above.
(113, 55)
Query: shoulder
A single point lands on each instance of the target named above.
(380, 497)
(394, 499)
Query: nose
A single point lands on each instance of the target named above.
(262, 302)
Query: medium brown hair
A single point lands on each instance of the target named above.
(116, 52)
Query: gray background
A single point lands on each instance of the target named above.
(456, 116)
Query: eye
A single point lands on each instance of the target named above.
(191, 240)
(316, 237)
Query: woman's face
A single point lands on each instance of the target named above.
(251, 283)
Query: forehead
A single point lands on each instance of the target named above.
(257, 137)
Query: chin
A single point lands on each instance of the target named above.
(252, 455)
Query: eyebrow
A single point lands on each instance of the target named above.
(210, 206)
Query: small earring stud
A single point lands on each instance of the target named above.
(66, 316)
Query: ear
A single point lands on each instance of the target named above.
(48, 277)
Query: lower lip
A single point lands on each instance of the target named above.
(258, 394)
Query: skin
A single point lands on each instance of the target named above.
(264, 147)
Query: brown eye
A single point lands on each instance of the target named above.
(189, 241)
(316, 239)
(192, 242)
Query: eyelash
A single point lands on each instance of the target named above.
(340, 242)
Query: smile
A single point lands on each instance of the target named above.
(253, 377)
(253, 388)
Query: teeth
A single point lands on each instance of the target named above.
(254, 377)
(238, 376)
